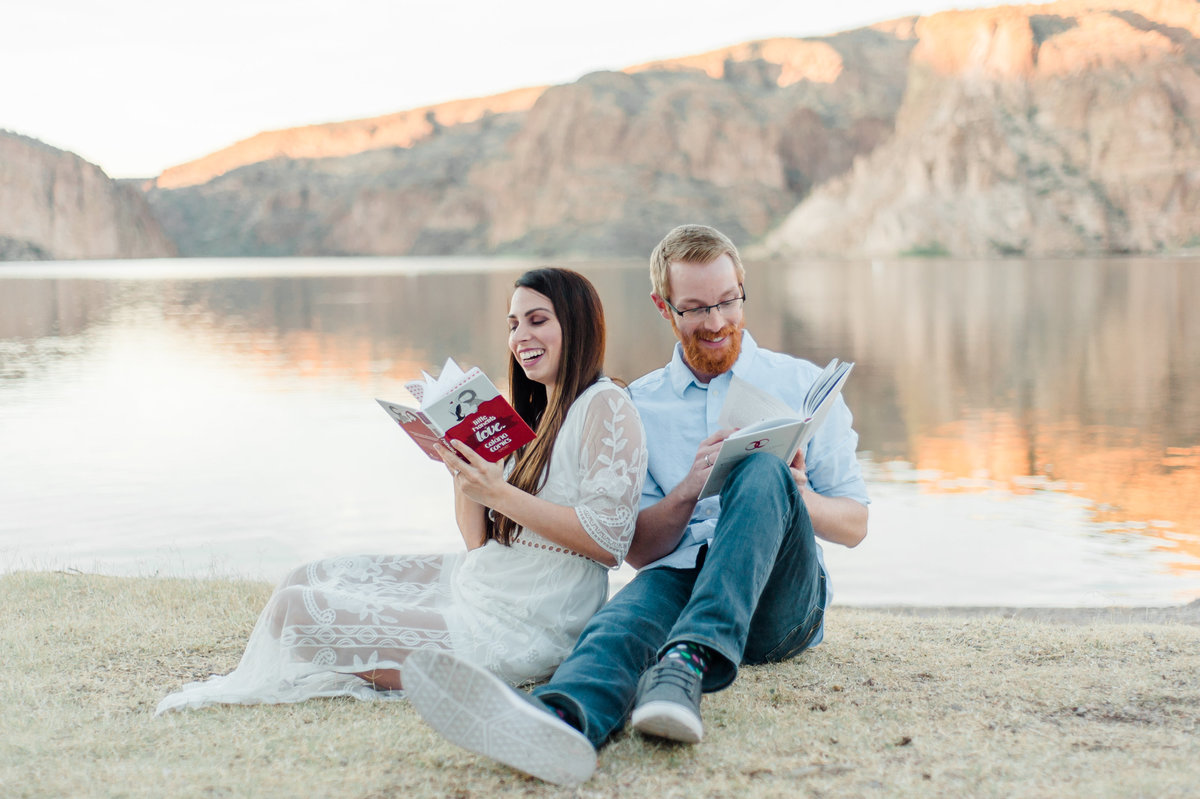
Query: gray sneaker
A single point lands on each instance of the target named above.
(473, 708)
(668, 702)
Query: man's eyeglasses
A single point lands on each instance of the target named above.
(726, 307)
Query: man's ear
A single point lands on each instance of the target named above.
(661, 305)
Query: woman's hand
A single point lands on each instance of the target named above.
(477, 479)
(469, 514)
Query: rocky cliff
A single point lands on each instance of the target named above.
(55, 205)
(735, 137)
(1066, 128)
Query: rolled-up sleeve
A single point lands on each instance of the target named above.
(832, 458)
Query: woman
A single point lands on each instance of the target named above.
(540, 530)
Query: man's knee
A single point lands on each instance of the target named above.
(621, 620)
(761, 475)
(606, 621)
(633, 625)
(763, 489)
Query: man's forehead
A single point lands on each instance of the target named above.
(719, 274)
(722, 260)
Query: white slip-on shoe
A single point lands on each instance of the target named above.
(473, 708)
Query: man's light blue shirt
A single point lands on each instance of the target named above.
(679, 412)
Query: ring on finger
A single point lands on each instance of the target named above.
(707, 462)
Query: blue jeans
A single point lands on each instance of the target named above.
(755, 596)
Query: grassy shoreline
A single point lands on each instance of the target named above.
(896, 702)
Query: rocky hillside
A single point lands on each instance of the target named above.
(403, 129)
(1066, 128)
(735, 137)
(55, 205)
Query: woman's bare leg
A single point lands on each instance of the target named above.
(382, 679)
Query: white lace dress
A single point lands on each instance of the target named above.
(515, 609)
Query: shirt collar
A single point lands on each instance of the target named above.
(681, 376)
(749, 350)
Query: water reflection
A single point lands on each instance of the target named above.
(1077, 376)
(1055, 399)
(399, 324)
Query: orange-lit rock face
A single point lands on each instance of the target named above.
(785, 61)
(993, 43)
(402, 129)
(1056, 39)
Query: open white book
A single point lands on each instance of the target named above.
(767, 424)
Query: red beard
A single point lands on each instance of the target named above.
(708, 361)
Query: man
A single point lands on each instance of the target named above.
(723, 581)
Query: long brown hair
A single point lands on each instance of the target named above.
(580, 364)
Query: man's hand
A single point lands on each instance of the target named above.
(660, 526)
(706, 456)
(799, 472)
(840, 520)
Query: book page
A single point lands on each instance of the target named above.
(746, 404)
(827, 384)
(828, 387)
(430, 389)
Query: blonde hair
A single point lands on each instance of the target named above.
(694, 243)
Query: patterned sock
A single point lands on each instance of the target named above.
(565, 715)
(695, 655)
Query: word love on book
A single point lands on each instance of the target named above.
(460, 406)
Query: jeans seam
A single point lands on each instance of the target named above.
(819, 611)
(773, 655)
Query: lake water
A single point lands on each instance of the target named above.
(1031, 430)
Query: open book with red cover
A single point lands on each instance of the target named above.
(463, 406)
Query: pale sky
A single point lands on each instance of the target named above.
(139, 85)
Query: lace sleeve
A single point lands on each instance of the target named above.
(612, 467)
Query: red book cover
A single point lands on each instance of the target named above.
(494, 431)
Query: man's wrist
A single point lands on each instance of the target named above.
(681, 504)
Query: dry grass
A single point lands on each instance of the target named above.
(888, 706)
